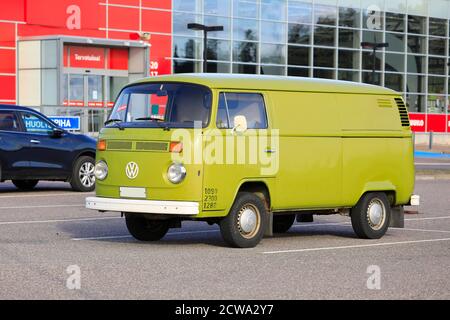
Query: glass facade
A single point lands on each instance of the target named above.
(322, 38)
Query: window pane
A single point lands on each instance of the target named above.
(395, 62)
(438, 27)
(218, 21)
(436, 104)
(245, 29)
(415, 64)
(185, 5)
(323, 74)
(298, 56)
(76, 91)
(416, 103)
(393, 81)
(367, 77)
(219, 7)
(215, 67)
(273, 53)
(396, 42)
(395, 22)
(300, 12)
(349, 17)
(436, 66)
(299, 34)
(437, 46)
(188, 48)
(373, 20)
(219, 50)
(245, 68)
(348, 76)
(273, 32)
(246, 8)
(349, 38)
(324, 36)
(273, 10)
(35, 124)
(249, 105)
(367, 61)
(298, 72)
(245, 51)
(8, 121)
(372, 36)
(416, 24)
(415, 84)
(325, 15)
(416, 44)
(323, 57)
(436, 85)
(348, 59)
(273, 70)
(180, 22)
(182, 66)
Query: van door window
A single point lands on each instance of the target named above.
(250, 105)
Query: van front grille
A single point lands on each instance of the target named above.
(120, 145)
(152, 146)
(404, 117)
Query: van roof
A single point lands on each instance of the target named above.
(276, 83)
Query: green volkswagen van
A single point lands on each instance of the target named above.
(253, 154)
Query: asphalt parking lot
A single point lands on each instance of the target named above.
(44, 232)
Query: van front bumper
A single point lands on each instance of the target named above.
(181, 208)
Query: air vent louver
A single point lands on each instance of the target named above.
(404, 117)
(120, 145)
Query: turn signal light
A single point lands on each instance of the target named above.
(101, 145)
(176, 147)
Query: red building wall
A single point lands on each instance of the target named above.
(111, 19)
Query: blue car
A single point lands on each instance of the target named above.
(33, 148)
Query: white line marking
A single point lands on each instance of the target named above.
(423, 230)
(357, 246)
(129, 236)
(56, 221)
(52, 206)
(23, 195)
(430, 218)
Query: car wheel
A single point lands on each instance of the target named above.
(83, 177)
(25, 185)
(245, 224)
(371, 216)
(282, 223)
(144, 229)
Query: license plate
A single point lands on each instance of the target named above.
(126, 192)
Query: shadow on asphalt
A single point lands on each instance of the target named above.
(7, 187)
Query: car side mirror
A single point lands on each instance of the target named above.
(240, 124)
(57, 132)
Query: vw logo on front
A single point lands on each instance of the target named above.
(132, 170)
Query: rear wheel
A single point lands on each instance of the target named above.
(282, 223)
(245, 224)
(25, 185)
(371, 216)
(144, 229)
(83, 178)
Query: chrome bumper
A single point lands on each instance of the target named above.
(181, 208)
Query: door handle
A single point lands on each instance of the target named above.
(270, 151)
(35, 141)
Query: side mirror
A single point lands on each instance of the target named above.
(57, 132)
(240, 124)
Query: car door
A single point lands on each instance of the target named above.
(13, 147)
(49, 155)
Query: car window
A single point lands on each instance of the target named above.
(8, 121)
(250, 105)
(35, 124)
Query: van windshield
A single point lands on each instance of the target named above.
(175, 105)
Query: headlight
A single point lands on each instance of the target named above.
(101, 170)
(176, 173)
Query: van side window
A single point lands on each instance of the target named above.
(250, 105)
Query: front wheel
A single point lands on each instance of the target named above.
(144, 229)
(245, 224)
(83, 178)
(25, 185)
(371, 216)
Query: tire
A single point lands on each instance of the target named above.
(83, 178)
(25, 185)
(371, 216)
(144, 229)
(282, 223)
(248, 208)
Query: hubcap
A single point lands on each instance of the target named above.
(248, 221)
(376, 214)
(86, 174)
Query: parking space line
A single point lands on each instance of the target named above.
(43, 207)
(428, 218)
(48, 195)
(56, 221)
(129, 236)
(357, 246)
(422, 230)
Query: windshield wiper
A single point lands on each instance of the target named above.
(150, 119)
(116, 121)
